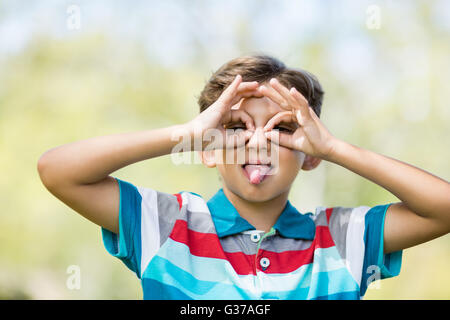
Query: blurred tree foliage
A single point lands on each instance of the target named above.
(56, 91)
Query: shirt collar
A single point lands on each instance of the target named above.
(290, 224)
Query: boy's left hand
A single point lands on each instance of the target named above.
(311, 136)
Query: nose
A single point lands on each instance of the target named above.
(258, 140)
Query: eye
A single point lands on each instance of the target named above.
(284, 129)
(238, 127)
(235, 126)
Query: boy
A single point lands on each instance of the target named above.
(248, 241)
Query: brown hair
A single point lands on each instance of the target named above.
(262, 68)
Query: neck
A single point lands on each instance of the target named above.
(262, 215)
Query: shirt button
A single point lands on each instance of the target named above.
(255, 237)
(264, 262)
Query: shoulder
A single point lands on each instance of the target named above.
(192, 201)
(338, 214)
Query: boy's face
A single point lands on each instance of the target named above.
(251, 182)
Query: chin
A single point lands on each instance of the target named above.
(255, 193)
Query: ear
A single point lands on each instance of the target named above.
(310, 163)
(208, 158)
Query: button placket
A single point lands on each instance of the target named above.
(264, 262)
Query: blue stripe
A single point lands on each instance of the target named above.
(155, 290)
(350, 295)
(331, 282)
(127, 245)
(375, 261)
(187, 283)
(207, 269)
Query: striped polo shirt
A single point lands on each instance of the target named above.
(183, 247)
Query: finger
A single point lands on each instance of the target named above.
(245, 94)
(302, 102)
(245, 90)
(284, 92)
(229, 93)
(244, 117)
(280, 138)
(273, 95)
(237, 116)
(313, 114)
(277, 118)
(237, 105)
(245, 86)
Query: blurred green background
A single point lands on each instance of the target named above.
(74, 70)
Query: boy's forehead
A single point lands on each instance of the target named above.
(263, 108)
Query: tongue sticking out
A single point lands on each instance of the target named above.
(256, 172)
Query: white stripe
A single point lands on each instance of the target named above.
(150, 238)
(355, 248)
(195, 203)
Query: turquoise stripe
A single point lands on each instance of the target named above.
(348, 295)
(210, 278)
(328, 283)
(189, 285)
(388, 265)
(206, 269)
(127, 245)
(155, 290)
(325, 260)
(311, 286)
(296, 294)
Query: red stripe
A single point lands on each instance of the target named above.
(208, 245)
(288, 261)
(328, 212)
(179, 199)
(242, 263)
(199, 243)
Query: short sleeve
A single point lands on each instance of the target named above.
(144, 221)
(358, 235)
(377, 265)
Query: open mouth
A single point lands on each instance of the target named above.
(257, 172)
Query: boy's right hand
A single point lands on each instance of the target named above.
(210, 124)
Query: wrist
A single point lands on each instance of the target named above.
(337, 149)
(194, 134)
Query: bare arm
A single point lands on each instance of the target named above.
(424, 211)
(78, 173)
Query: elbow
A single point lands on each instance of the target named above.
(44, 168)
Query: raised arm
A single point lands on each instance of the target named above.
(424, 211)
(78, 173)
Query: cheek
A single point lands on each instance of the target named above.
(292, 160)
(221, 165)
